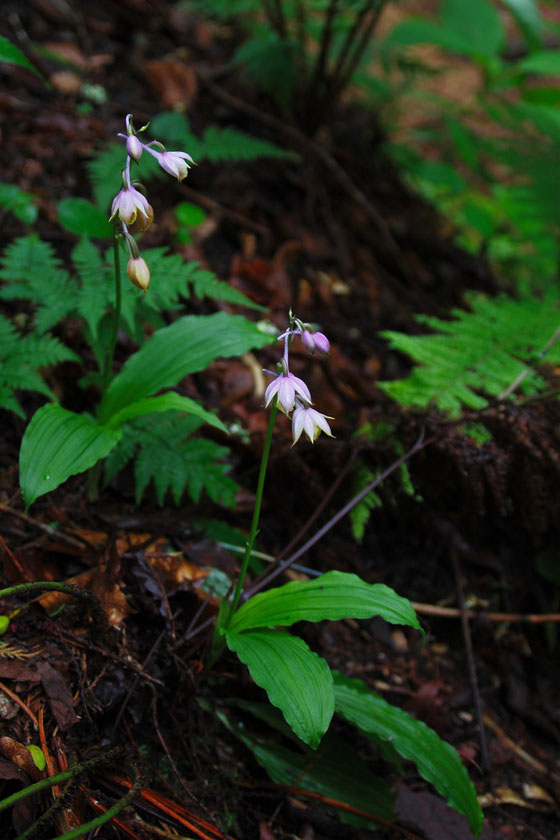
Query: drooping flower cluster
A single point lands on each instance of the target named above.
(130, 206)
(291, 392)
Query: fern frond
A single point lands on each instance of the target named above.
(217, 144)
(21, 357)
(476, 355)
(360, 513)
(97, 288)
(229, 144)
(175, 461)
(33, 272)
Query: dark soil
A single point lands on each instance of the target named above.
(288, 234)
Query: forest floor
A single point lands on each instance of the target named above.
(357, 253)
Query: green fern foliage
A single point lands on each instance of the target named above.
(218, 145)
(31, 271)
(478, 354)
(21, 358)
(167, 453)
(360, 513)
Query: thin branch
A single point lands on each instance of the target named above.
(319, 71)
(470, 658)
(420, 444)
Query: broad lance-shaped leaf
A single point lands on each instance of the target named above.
(184, 347)
(436, 760)
(165, 402)
(336, 772)
(333, 596)
(295, 678)
(57, 444)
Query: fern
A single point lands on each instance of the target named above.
(33, 272)
(360, 513)
(21, 357)
(362, 476)
(20, 203)
(167, 453)
(216, 144)
(478, 354)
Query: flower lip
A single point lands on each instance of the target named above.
(175, 163)
(128, 203)
(306, 419)
(285, 387)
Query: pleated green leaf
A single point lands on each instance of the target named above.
(57, 444)
(336, 772)
(296, 679)
(333, 596)
(435, 759)
(173, 352)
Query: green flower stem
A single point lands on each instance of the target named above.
(78, 769)
(117, 318)
(94, 474)
(256, 513)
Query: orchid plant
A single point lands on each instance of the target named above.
(59, 443)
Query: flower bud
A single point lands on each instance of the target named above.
(139, 273)
(133, 147)
(321, 342)
(307, 340)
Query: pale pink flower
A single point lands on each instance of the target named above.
(128, 204)
(175, 163)
(286, 386)
(306, 419)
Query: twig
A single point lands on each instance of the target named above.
(48, 529)
(321, 63)
(453, 612)
(136, 680)
(314, 516)
(20, 703)
(420, 444)
(219, 209)
(524, 373)
(470, 658)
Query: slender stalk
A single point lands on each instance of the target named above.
(348, 71)
(319, 72)
(351, 36)
(60, 777)
(58, 586)
(281, 17)
(256, 512)
(117, 320)
(420, 444)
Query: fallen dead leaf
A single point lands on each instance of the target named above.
(96, 581)
(65, 81)
(174, 81)
(59, 696)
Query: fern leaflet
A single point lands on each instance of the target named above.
(476, 355)
(167, 453)
(21, 357)
(33, 272)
